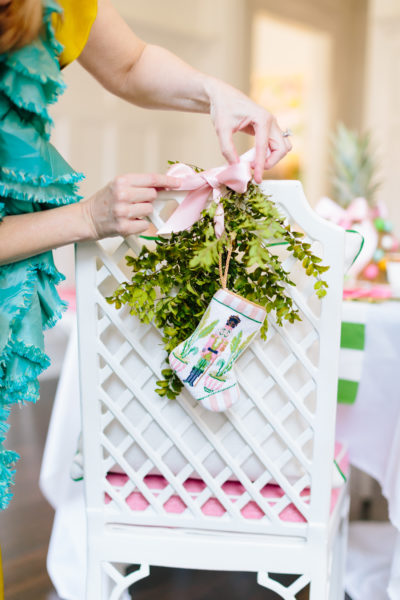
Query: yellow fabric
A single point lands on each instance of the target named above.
(72, 28)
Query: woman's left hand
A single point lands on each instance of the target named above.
(233, 111)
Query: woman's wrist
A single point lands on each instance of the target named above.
(88, 229)
(33, 233)
(73, 224)
(204, 91)
(209, 85)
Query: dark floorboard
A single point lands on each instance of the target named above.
(26, 525)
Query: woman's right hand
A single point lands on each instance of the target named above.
(121, 206)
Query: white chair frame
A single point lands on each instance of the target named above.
(314, 549)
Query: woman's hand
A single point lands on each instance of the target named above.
(232, 111)
(117, 209)
(120, 208)
(152, 77)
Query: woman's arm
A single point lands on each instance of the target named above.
(152, 77)
(118, 209)
(25, 235)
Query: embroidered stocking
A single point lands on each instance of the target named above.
(204, 361)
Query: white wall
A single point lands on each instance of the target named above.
(284, 53)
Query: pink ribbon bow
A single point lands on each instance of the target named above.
(357, 212)
(200, 186)
(358, 216)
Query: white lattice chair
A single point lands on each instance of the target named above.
(173, 497)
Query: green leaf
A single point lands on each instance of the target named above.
(162, 384)
(207, 330)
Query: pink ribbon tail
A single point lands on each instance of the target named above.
(188, 212)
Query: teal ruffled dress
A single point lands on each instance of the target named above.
(33, 177)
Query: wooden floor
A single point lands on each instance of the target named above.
(26, 525)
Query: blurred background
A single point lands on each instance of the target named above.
(313, 63)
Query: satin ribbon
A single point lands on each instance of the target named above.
(200, 186)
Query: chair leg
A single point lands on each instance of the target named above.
(142, 572)
(337, 591)
(319, 584)
(100, 582)
(108, 581)
(266, 581)
(94, 578)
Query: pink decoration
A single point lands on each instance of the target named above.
(356, 212)
(395, 245)
(377, 292)
(371, 271)
(200, 185)
(358, 216)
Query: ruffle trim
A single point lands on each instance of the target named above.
(42, 195)
(40, 361)
(56, 316)
(50, 7)
(53, 82)
(54, 274)
(7, 472)
(41, 180)
(4, 426)
(11, 88)
(14, 346)
(23, 305)
(25, 388)
(29, 392)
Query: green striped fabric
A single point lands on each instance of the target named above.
(352, 346)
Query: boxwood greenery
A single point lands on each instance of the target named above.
(173, 282)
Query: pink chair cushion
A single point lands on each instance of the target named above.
(233, 489)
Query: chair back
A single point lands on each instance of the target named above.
(263, 466)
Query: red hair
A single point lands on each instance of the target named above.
(20, 23)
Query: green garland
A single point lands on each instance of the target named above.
(173, 284)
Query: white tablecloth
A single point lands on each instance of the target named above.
(370, 427)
